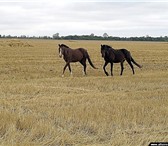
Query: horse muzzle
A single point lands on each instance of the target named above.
(60, 54)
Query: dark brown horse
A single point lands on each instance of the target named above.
(74, 55)
(111, 56)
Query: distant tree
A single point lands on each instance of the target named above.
(45, 37)
(92, 35)
(23, 36)
(8, 36)
(105, 35)
(56, 36)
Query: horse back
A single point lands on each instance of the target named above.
(84, 52)
(77, 55)
(126, 53)
(119, 55)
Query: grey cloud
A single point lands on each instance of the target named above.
(115, 18)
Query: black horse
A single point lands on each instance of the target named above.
(111, 56)
(74, 55)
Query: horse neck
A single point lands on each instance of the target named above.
(111, 50)
(111, 53)
(66, 48)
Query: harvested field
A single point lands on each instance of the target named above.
(38, 107)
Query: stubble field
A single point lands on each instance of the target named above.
(40, 108)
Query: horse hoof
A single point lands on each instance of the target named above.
(107, 74)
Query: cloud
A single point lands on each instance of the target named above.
(67, 17)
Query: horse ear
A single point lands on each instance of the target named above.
(59, 45)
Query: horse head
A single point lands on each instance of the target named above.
(104, 50)
(60, 51)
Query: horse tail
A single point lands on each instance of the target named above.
(89, 60)
(140, 66)
(129, 57)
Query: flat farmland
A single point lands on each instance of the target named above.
(40, 108)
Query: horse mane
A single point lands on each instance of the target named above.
(107, 46)
(63, 45)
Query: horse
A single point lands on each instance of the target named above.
(111, 56)
(74, 55)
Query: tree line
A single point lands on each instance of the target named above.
(91, 37)
(110, 38)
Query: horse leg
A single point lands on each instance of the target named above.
(83, 62)
(84, 68)
(67, 64)
(122, 68)
(104, 68)
(132, 67)
(70, 68)
(111, 68)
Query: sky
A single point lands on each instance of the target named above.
(122, 18)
